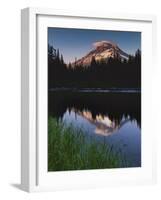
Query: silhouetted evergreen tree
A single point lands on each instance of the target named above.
(113, 72)
(93, 62)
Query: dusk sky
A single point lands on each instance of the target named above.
(75, 43)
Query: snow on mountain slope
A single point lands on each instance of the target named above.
(103, 51)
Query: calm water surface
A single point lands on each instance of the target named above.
(114, 117)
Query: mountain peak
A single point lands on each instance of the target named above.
(103, 51)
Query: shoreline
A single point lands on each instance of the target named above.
(101, 90)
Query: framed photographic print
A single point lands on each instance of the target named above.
(86, 99)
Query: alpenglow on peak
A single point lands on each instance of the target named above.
(103, 50)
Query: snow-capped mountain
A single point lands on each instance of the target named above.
(103, 51)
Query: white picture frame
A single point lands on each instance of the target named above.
(33, 94)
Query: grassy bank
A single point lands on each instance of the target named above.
(68, 149)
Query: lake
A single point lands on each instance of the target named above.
(113, 116)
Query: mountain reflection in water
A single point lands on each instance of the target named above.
(104, 125)
(113, 117)
(97, 106)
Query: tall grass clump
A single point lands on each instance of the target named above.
(69, 149)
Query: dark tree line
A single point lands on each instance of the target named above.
(115, 72)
